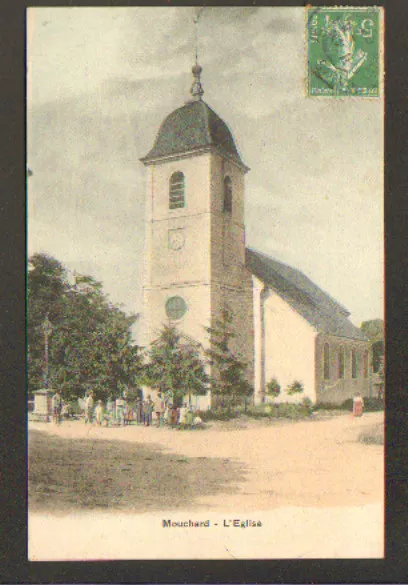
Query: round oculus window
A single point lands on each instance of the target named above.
(176, 308)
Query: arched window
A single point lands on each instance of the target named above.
(326, 361)
(365, 364)
(354, 364)
(341, 362)
(176, 193)
(227, 207)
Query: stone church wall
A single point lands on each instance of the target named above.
(335, 390)
(289, 348)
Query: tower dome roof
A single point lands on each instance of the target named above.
(192, 127)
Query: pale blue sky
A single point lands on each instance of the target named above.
(100, 82)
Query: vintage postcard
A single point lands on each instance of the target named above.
(205, 283)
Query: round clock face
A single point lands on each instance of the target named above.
(176, 239)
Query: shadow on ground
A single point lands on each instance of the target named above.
(85, 474)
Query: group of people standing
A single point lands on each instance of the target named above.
(114, 412)
(122, 412)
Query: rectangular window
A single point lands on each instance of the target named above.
(354, 364)
(326, 361)
(341, 362)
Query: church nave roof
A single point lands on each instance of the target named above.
(318, 308)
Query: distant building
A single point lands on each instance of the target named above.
(196, 263)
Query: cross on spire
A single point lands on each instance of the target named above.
(197, 89)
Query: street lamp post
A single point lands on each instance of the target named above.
(47, 328)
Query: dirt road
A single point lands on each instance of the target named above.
(311, 463)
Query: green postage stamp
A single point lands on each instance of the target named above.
(344, 51)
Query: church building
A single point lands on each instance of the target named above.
(197, 264)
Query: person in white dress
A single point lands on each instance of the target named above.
(183, 414)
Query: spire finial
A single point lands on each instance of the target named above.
(197, 89)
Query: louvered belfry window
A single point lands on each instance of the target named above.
(177, 191)
(227, 195)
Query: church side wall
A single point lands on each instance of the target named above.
(334, 389)
(289, 349)
(231, 281)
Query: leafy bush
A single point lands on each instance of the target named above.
(308, 404)
(273, 388)
(190, 427)
(282, 410)
(289, 410)
(259, 411)
(373, 404)
(347, 404)
(295, 388)
(218, 413)
(332, 406)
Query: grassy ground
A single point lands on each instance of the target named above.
(72, 474)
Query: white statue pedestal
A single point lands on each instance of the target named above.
(42, 405)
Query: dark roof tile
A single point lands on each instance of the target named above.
(195, 125)
(320, 310)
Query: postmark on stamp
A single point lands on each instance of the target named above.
(344, 51)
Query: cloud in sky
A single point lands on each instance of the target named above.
(101, 80)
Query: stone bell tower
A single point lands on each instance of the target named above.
(195, 233)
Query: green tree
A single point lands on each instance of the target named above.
(90, 346)
(374, 330)
(295, 388)
(228, 382)
(273, 388)
(175, 365)
(47, 286)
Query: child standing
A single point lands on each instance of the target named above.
(99, 411)
(120, 410)
(89, 406)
